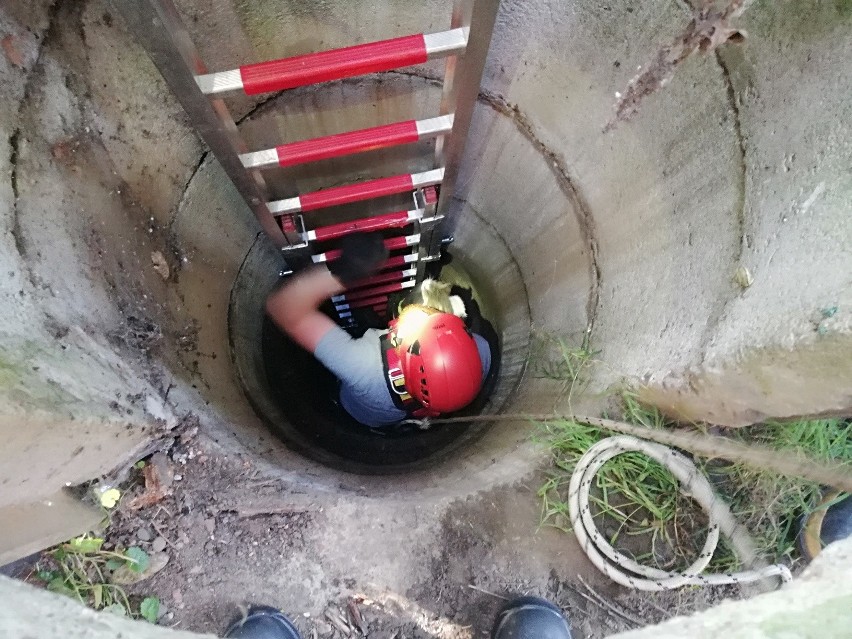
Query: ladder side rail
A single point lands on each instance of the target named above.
(462, 80)
(158, 28)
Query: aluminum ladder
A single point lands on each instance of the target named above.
(158, 28)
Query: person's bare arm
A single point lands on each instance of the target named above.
(294, 306)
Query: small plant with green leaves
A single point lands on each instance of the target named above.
(554, 358)
(82, 569)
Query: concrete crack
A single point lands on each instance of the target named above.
(257, 108)
(17, 232)
(15, 139)
(569, 187)
(743, 168)
(743, 240)
(172, 244)
(50, 32)
(171, 238)
(497, 234)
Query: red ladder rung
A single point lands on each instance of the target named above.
(334, 64)
(358, 192)
(382, 278)
(400, 260)
(369, 301)
(370, 292)
(391, 244)
(347, 143)
(397, 219)
(340, 144)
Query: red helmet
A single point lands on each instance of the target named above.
(439, 359)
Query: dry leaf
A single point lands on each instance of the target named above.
(110, 497)
(125, 575)
(160, 264)
(13, 55)
(154, 490)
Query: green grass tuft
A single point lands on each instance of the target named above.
(636, 502)
(554, 358)
(638, 506)
(770, 505)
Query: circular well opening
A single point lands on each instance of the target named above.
(296, 396)
(306, 393)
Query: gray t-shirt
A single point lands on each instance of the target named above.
(357, 363)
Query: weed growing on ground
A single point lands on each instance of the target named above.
(770, 505)
(637, 503)
(81, 569)
(553, 358)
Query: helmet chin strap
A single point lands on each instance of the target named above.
(395, 380)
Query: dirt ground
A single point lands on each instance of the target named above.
(352, 566)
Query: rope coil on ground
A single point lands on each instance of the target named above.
(624, 570)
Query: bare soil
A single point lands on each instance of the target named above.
(334, 563)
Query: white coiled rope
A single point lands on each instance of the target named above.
(626, 571)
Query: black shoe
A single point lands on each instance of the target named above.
(530, 618)
(263, 622)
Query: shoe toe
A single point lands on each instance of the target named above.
(263, 622)
(531, 618)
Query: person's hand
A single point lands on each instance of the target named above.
(362, 255)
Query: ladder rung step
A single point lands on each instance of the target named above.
(401, 260)
(371, 292)
(334, 64)
(356, 192)
(397, 219)
(332, 146)
(382, 278)
(369, 301)
(391, 244)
